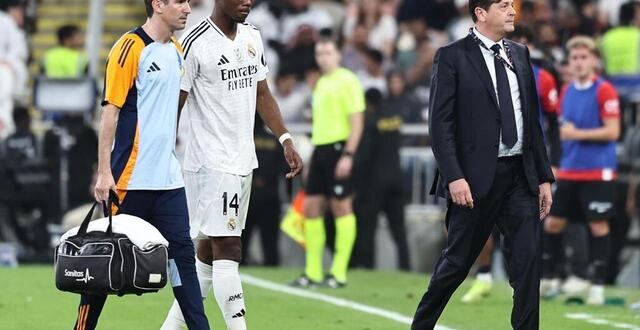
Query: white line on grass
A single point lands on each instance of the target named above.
(590, 318)
(331, 300)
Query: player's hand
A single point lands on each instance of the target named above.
(568, 131)
(461, 193)
(293, 159)
(544, 199)
(103, 184)
(343, 168)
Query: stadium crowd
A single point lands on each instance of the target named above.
(389, 45)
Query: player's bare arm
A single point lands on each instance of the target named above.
(343, 168)
(106, 136)
(181, 101)
(269, 111)
(610, 131)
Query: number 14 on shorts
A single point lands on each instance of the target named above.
(232, 204)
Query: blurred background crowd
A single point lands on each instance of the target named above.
(52, 64)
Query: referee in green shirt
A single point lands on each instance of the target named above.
(338, 120)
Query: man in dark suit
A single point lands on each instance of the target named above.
(493, 166)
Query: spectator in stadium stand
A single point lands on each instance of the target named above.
(338, 120)
(354, 48)
(378, 185)
(409, 106)
(588, 170)
(13, 61)
(621, 49)
(488, 145)
(293, 97)
(264, 205)
(416, 58)
(458, 27)
(377, 18)
(373, 74)
(291, 28)
(68, 59)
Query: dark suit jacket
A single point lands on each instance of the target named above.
(464, 119)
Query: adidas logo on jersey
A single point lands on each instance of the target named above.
(223, 60)
(153, 67)
(240, 314)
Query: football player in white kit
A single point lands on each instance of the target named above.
(223, 86)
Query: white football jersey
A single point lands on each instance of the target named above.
(221, 77)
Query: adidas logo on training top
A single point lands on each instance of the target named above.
(223, 60)
(153, 68)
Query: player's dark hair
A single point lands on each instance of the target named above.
(484, 4)
(66, 31)
(149, 7)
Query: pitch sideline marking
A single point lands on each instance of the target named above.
(255, 281)
(590, 318)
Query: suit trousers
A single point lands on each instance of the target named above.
(513, 208)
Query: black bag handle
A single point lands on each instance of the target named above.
(106, 209)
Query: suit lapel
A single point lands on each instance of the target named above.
(474, 55)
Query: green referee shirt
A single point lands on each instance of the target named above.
(337, 95)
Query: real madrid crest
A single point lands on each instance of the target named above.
(231, 225)
(251, 51)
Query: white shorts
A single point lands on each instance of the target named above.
(218, 202)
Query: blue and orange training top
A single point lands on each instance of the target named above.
(143, 79)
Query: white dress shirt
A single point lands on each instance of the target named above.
(504, 151)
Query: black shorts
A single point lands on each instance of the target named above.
(584, 200)
(322, 178)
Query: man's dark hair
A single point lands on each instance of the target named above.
(373, 97)
(375, 55)
(330, 40)
(627, 13)
(6, 4)
(149, 8)
(66, 31)
(522, 31)
(21, 117)
(527, 7)
(484, 4)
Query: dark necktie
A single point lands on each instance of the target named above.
(507, 117)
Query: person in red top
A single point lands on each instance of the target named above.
(590, 114)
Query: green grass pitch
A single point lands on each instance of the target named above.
(29, 300)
